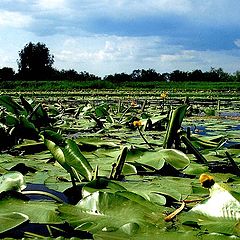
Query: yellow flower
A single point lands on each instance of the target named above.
(206, 180)
(137, 123)
(164, 95)
(133, 104)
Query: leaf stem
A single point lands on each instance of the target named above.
(235, 166)
(190, 146)
(47, 194)
(145, 140)
(173, 214)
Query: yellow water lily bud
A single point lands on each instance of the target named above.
(137, 123)
(164, 95)
(133, 104)
(206, 180)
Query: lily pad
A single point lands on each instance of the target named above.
(37, 212)
(109, 212)
(156, 160)
(9, 221)
(12, 181)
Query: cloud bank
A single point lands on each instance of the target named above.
(105, 37)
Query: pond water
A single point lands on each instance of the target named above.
(229, 114)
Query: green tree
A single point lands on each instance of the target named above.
(150, 75)
(196, 75)
(6, 74)
(178, 76)
(35, 62)
(236, 76)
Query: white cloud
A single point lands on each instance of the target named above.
(237, 42)
(97, 48)
(104, 55)
(172, 6)
(5, 58)
(190, 60)
(108, 48)
(184, 55)
(80, 34)
(14, 19)
(51, 4)
(125, 9)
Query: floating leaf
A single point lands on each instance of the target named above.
(11, 220)
(37, 211)
(210, 224)
(128, 169)
(110, 212)
(12, 181)
(156, 160)
(101, 184)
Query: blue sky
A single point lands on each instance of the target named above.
(112, 36)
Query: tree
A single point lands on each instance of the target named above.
(236, 76)
(6, 74)
(178, 76)
(35, 62)
(70, 75)
(150, 75)
(136, 75)
(196, 75)
(118, 78)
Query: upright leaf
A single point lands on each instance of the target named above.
(26, 104)
(11, 105)
(76, 159)
(55, 142)
(174, 124)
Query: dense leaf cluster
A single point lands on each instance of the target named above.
(112, 171)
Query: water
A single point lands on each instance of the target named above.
(229, 114)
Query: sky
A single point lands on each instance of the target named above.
(106, 37)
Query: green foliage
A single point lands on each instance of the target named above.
(35, 61)
(101, 211)
(147, 185)
(20, 121)
(67, 153)
(51, 85)
(174, 125)
(12, 220)
(156, 160)
(12, 181)
(37, 211)
(11, 106)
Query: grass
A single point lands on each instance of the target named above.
(101, 84)
(107, 90)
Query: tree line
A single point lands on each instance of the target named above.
(35, 63)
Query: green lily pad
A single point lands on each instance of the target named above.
(156, 160)
(109, 212)
(37, 211)
(12, 181)
(101, 184)
(11, 220)
(211, 224)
